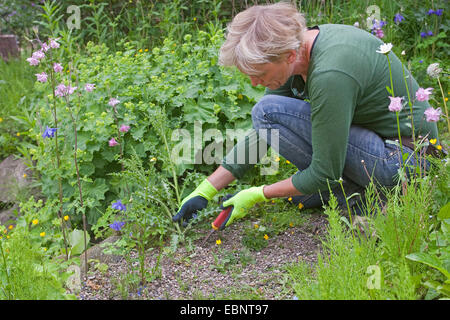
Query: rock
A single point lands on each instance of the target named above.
(14, 177)
(8, 46)
(8, 216)
(96, 252)
(73, 283)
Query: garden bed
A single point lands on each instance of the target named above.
(225, 271)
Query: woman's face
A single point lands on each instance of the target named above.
(273, 75)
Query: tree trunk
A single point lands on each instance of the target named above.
(8, 46)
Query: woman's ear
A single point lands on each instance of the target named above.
(292, 56)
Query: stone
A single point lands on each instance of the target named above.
(8, 46)
(14, 176)
(96, 253)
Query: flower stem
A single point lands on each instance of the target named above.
(445, 104)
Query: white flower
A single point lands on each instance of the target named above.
(356, 24)
(403, 53)
(385, 48)
(433, 70)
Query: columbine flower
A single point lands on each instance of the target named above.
(89, 87)
(398, 18)
(113, 102)
(119, 206)
(33, 61)
(44, 47)
(432, 115)
(112, 142)
(57, 67)
(62, 90)
(423, 94)
(433, 70)
(124, 128)
(385, 48)
(49, 132)
(117, 225)
(54, 44)
(41, 77)
(38, 55)
(396, 104)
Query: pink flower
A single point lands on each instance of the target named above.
(44, 47)
(423, 94)
(379, 33)
(113, 142)
(33, 61)
(396, 104)
(124, 128)
(113, 102)
(57, 67)
(38, 55)
(432, 114)
(63, 90)
(54, 44)
(41, 77)
(89, 87)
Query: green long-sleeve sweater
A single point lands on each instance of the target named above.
(346, 84)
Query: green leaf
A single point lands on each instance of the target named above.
(76, 241)
(429, 260)
(444, 213)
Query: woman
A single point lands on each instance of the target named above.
(326, 98)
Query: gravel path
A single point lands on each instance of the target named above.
(228, 270)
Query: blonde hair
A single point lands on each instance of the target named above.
(262, 34)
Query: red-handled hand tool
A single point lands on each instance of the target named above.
(220, 222)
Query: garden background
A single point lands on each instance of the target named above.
(92, 122)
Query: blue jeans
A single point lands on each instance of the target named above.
(292, 117)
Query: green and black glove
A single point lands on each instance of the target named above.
(195, 202)
(243, 201)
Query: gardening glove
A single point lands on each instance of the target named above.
(243, 201)
(195, 202)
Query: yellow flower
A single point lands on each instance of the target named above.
(146, 50)
(18, 134)
(290, 199)
(45, 249)
(42, 234)
(439, 147)
(8, 236)
(66, 218)
(153, 159)
(446, 99)
(35, 221)
(240, 96)
(433, 141)
(218, 241)
(195, 19)
(140, 50)
(24, 175)
(10, 227)
(277, 159)
(300, 205)
(266, 237)
(273, 201)
(256, 226)
(291, 224)
(287, 161)
(1, 119)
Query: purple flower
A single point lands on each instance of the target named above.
(430, 33)
(420, 61)
(41, 77)
(113, 102)
(117, 225)
(396, 104)
(432, 115)
(423, 94)
(119, 206)
(49, 132)
(398, 18)
(33, 61)
(124, 128)
(44, 47)
(38, 55)
(89, 87)
(423, 34)
(439, 12)
(112, 142)
(62, 90)
(430, 12)
(379, 33)
(57, 67)
(53, 43)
